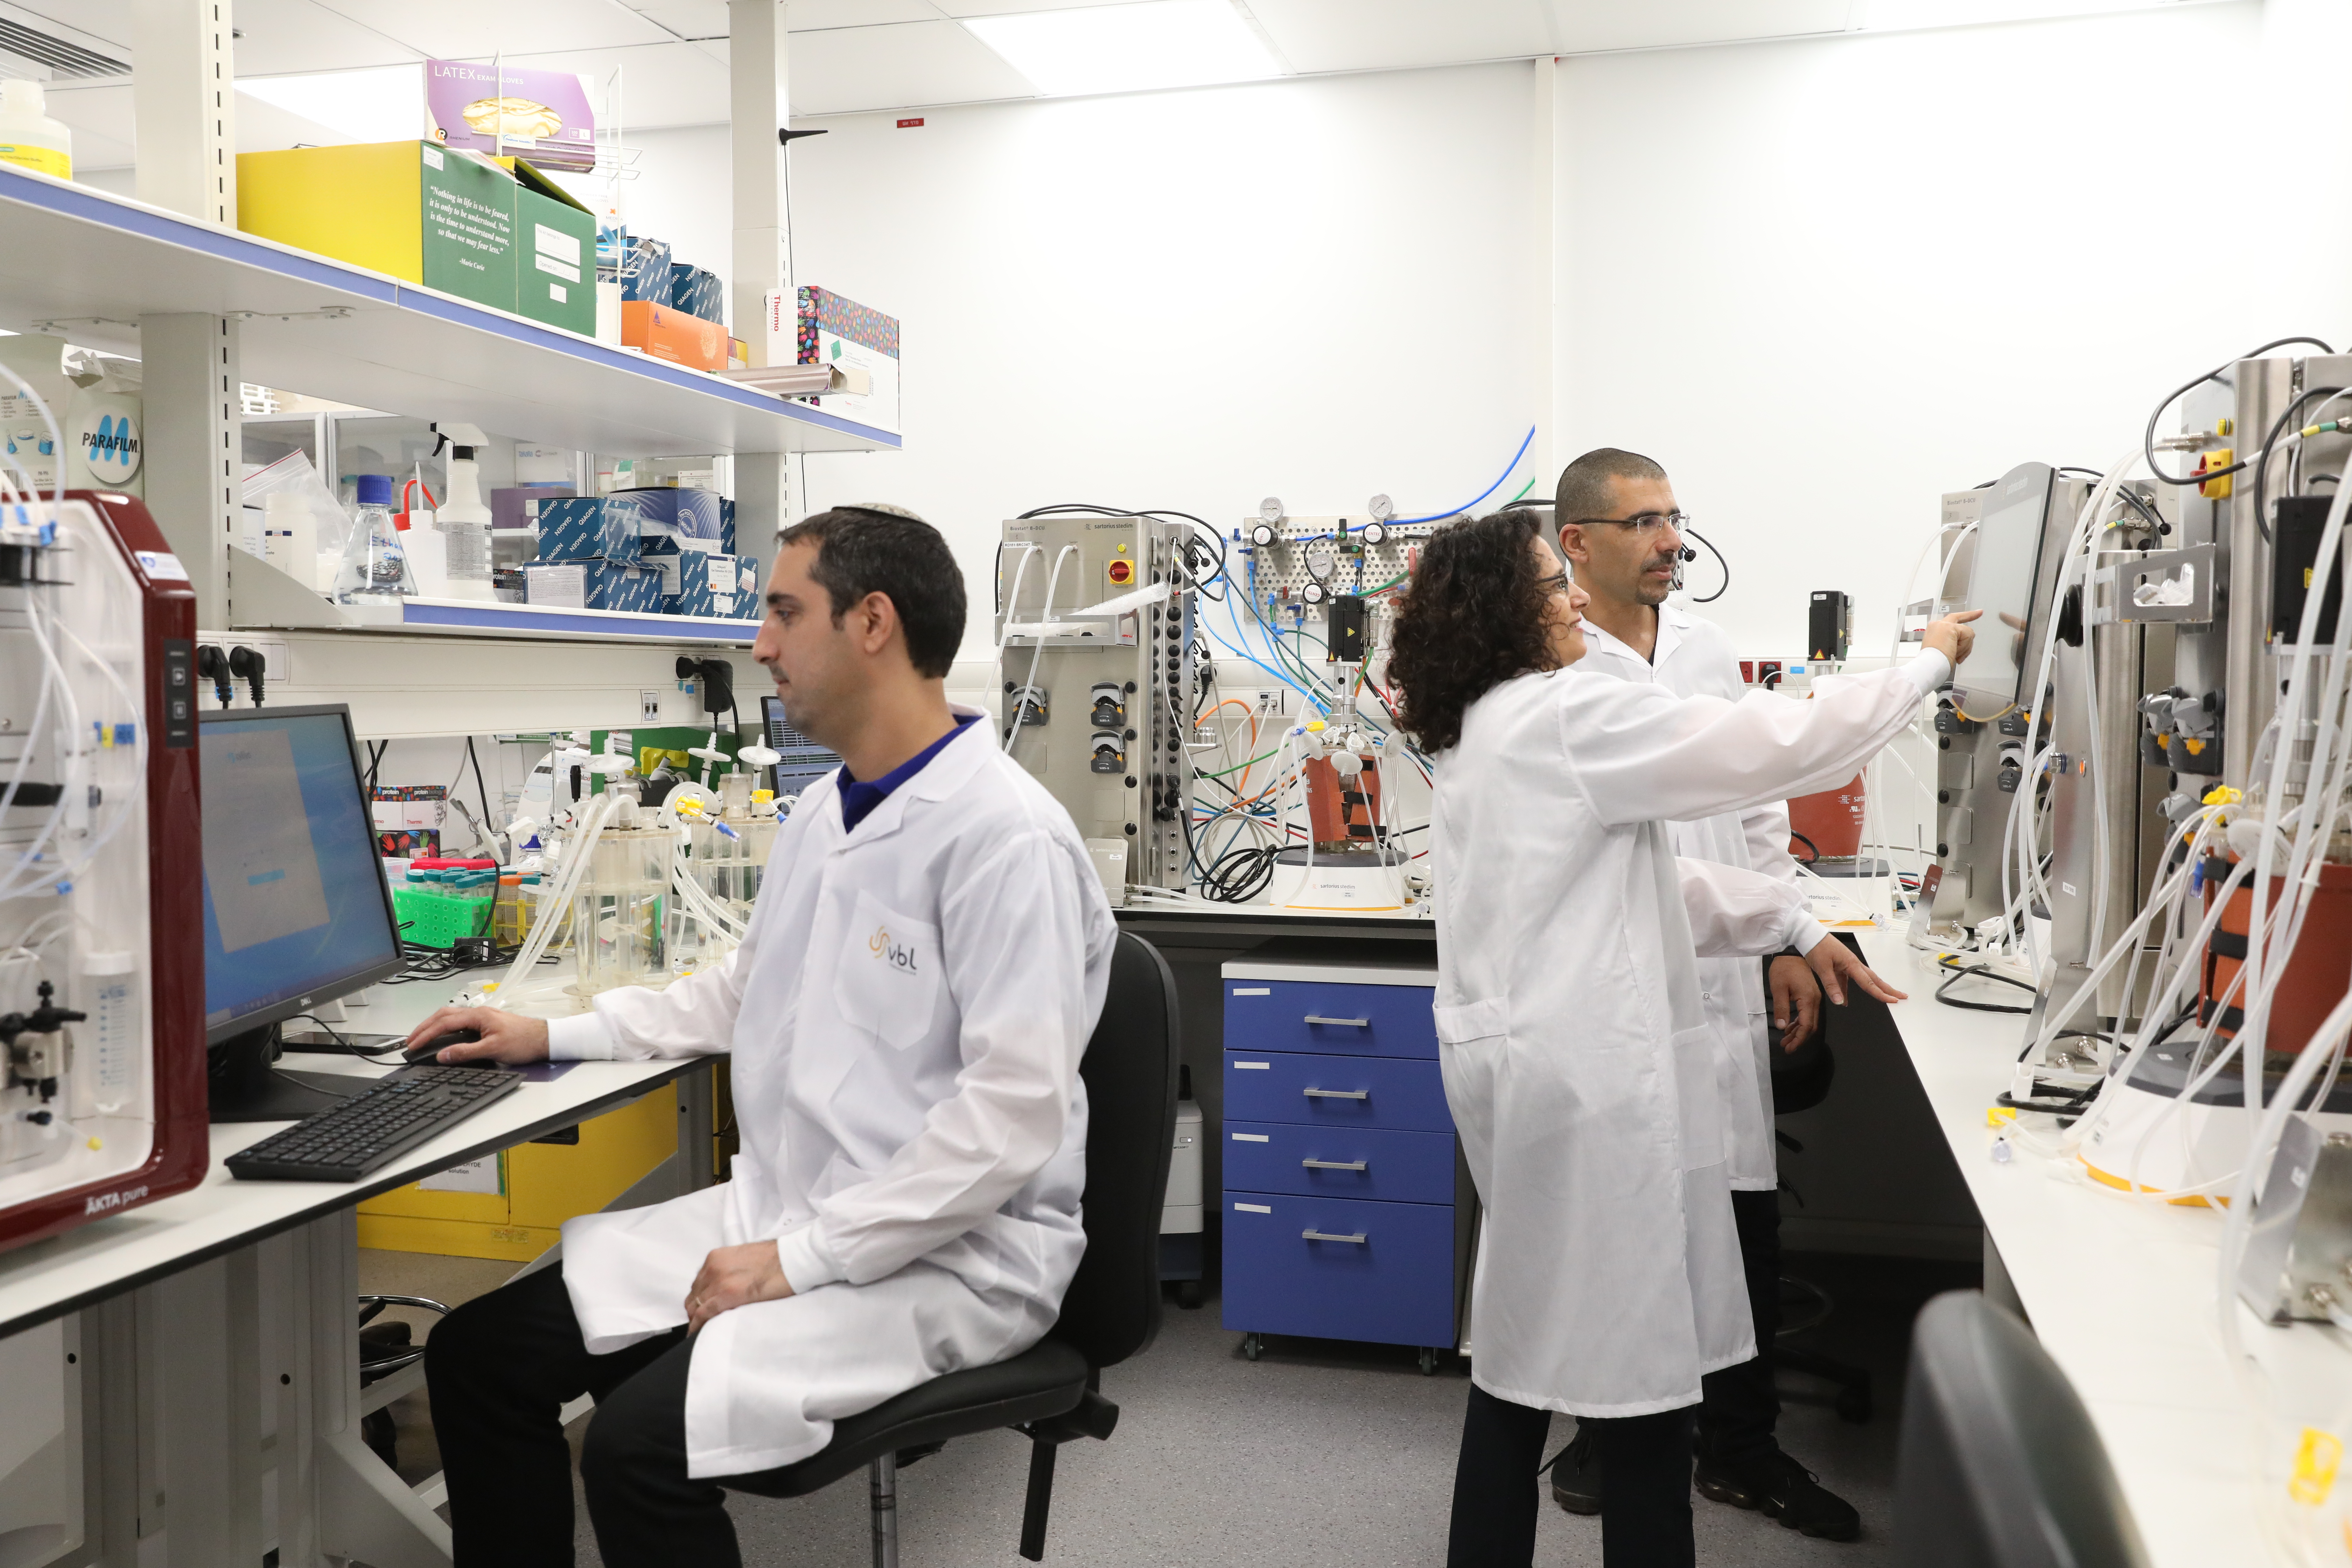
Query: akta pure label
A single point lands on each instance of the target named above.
(109, 443)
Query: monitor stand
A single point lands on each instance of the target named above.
(246, 1088)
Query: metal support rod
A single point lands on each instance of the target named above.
(1039, 1505)
(883, 1482)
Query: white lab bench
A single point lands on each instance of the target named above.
(212, 1338)
(2120, 1290)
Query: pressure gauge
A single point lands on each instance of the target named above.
(1382, 508)
(1262, 534)
(1314, 592)
(1270, 509)
(1322, 560)
(1373, 533)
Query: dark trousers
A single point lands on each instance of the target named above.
(1740, 1405)
(1645, 1510)
(499, 1368)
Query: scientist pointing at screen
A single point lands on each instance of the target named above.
(1577, 1055)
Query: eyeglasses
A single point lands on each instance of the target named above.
(1644, 524)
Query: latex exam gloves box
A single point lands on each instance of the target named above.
(595, 585)
(587, 528)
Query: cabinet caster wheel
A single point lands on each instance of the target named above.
(1251, 1345)
(1189, 1294)
(1428, 1362)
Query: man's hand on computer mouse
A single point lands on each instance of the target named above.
(735, 1276)
(497, 1037)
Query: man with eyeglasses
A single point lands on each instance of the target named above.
(1623, 536)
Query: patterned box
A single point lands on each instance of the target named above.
(835, 330)
(587, 528)
(697, 291)
(645, 270)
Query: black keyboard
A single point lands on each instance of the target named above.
(344, 1142)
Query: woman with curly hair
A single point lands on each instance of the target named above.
(1577, 1058)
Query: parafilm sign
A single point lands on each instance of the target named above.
(108, 441)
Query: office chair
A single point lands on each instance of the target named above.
(1051, 1393)
(1998, 1465)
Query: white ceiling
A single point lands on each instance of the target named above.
(849, 56)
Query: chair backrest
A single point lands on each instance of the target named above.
(1112, 1308)
(1999, 1466)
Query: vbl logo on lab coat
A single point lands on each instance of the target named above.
(896, 956)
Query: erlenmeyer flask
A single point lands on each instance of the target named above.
(374, 568)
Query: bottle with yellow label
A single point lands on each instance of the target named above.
(27, 135)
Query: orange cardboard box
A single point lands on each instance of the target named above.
(673, 335)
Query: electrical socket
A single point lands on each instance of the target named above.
(649, 707)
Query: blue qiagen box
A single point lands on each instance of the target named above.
(588, 528)
(670, 520)
(595, 585)
(723, 587)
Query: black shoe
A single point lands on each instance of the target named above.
(1576, 1476)
(1784, 1489)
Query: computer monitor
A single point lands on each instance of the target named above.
(2005, 583)
(802, 762)
(297, 911)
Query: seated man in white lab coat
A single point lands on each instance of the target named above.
(1623, 535)
(905, 1019)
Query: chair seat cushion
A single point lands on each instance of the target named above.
(1046, 1379)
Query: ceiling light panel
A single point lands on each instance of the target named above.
(904, 67)
(1896, 15)
(1386, 34)
(471, 30)
(1129, 48)
(385, 103)
(286, 37)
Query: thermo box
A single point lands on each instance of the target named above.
(595, 585)
(587, 528)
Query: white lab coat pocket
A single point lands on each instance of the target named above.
(889, 982)
(1700, 1097)
(1471, 1059)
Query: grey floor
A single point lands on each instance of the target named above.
(1319, 1454)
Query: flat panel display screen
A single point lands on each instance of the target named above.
(2007, 568)
(804, 762)
(295, 903)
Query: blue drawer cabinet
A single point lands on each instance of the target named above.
(1339, 1268)
(1350, 1091)
(1388, 1163)
(1344, 1214)
(1331, 1016)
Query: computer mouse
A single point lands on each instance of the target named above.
(432, 1048)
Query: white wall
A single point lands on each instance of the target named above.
(1825, 282)
(1314, 289)
(1822, 281)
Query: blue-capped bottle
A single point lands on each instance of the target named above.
(374, 568)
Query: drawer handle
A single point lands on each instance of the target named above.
(1318, 1235)
(1334, 1164)
(1338, 1093)
(1352, 1022)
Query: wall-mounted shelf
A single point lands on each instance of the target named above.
(330, 330)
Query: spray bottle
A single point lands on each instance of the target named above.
(463, 520)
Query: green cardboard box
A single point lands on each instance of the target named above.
(408, 208)
(555, 252)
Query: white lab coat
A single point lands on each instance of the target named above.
(905, 1017)
(1578, 1059)
(1694, 659)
